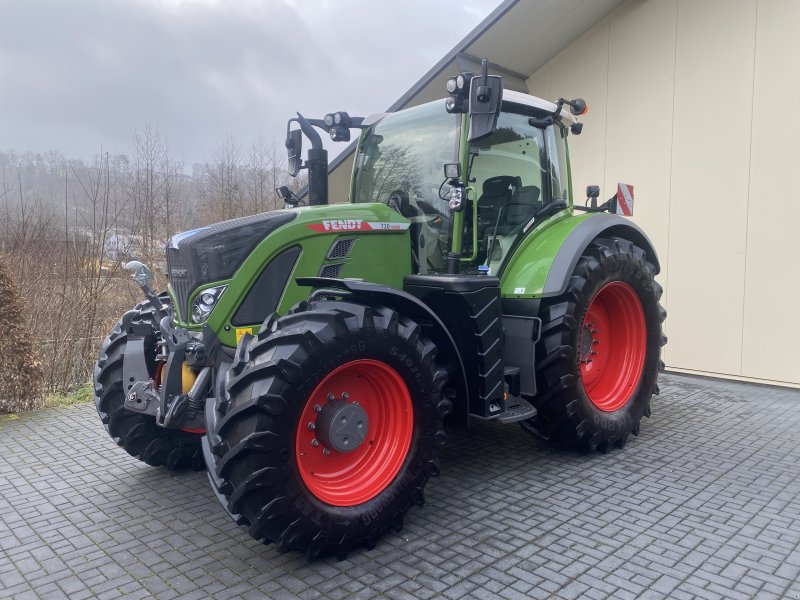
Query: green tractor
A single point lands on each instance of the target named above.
(310, 357)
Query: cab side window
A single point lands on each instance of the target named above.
(559, 163)
(506, 172)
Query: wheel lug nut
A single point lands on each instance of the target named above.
(595, 342)
(593, 353)
(325, 451)
(330, 399)
(315, 442)
(345, 395)
(317, 408)
(312, 425)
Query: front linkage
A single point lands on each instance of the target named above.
(180, 355)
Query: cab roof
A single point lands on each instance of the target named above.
(527, 100)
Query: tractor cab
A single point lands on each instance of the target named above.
(501, 184)
(473, 173)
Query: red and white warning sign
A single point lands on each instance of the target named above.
(624, 199)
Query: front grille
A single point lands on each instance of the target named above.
(214, 253)
(266, 292)
(331, 271)
(179, 278)
(341, 249)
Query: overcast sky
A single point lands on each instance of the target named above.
(78, 74)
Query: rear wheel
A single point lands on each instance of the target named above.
(136, 433)
(599, 354)
(330, 428)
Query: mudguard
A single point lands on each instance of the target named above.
(597, 225)
(542, 264)
(414, 308)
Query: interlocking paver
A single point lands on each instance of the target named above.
(706, 503)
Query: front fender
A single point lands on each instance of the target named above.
(410, 306)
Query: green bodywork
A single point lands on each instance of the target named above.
(378, 256)
(526, 272)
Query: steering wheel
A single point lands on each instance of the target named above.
(427, 208)
(398, 201)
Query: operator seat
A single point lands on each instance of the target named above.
(497, 192)
(522, 210)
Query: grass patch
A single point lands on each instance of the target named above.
(83, 394)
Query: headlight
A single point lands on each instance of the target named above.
(205, 302)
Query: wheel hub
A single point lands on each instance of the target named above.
(340, 462)
(587, 342)
(342, 425)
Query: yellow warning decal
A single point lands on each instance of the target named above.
(240, 331)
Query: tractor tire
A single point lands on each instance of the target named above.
(272, 450)
(138, 434)
(599, 354)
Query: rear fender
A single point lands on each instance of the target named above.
(545, 260)
(574, 244)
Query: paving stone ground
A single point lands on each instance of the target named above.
(705, 503)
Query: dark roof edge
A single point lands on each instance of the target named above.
(473, 35)
(465, 43)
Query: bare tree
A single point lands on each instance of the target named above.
(221, 186)
(154, 190)
(66, 227)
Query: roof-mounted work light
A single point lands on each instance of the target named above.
(458, 88)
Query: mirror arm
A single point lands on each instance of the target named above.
(310, 132)
(355, 123)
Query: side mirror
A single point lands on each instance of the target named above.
(294, 148)
(485, 100)
(140, 273)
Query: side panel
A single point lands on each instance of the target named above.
(525, 274)
(708, 242)
(470, 309)
(771, 281)
(380, 254)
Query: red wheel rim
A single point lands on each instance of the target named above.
(350, 478)
(613, 344)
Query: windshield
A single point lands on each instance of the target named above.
(400, 162)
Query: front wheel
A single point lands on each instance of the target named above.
(599, 353)
(330, 427)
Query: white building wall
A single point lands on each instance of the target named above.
(691, 101)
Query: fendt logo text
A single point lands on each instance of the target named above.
(342, 224)
(339, 225)
(356, 225)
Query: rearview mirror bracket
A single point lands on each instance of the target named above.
(485, 101)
